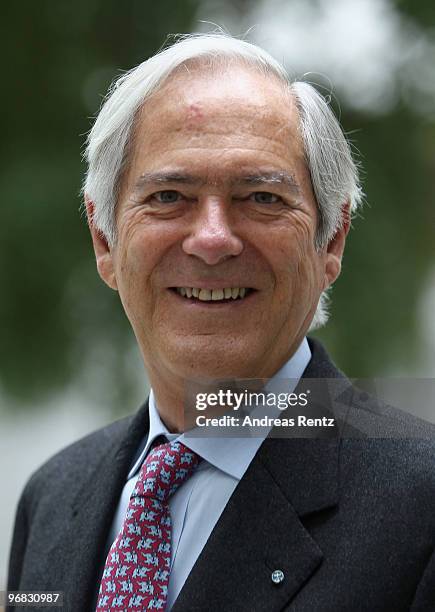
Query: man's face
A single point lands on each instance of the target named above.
(217, 197)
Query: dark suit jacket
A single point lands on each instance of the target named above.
(349, 520)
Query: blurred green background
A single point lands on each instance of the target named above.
(60, 326)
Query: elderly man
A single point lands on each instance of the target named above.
(219, 197)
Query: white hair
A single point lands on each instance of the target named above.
(334, 173)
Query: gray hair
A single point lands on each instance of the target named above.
(334, 173)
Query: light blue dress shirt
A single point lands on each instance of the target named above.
(197, 505)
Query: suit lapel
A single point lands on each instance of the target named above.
(261, 531)
(261, 528)
(83, 543)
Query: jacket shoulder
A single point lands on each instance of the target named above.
(80, 457)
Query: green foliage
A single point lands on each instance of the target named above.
(374, 327)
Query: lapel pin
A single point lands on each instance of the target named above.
(277, 576)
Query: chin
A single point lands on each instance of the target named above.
(211, 357)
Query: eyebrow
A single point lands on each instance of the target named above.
(261, 178)
(271, 178)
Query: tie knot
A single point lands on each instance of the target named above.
(166, 467)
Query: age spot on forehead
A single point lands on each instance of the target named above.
(194, 113)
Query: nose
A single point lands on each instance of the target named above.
(212, 238)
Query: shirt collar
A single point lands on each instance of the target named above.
(157, 428)
(230, 455)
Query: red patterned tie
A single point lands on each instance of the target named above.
(136, 574)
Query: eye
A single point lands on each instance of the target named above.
(264, 197)
(167, 197)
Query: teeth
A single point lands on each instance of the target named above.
(207, 295)
(204, 295)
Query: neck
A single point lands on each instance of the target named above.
(169, 396)
(171, 389)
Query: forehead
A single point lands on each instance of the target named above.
(220, 109)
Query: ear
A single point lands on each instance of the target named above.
(103, 252)
(335, 248)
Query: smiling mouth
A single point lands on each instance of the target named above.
(228, 294)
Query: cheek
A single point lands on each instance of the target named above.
(295, 249)
(298, 267)
(132, 274)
